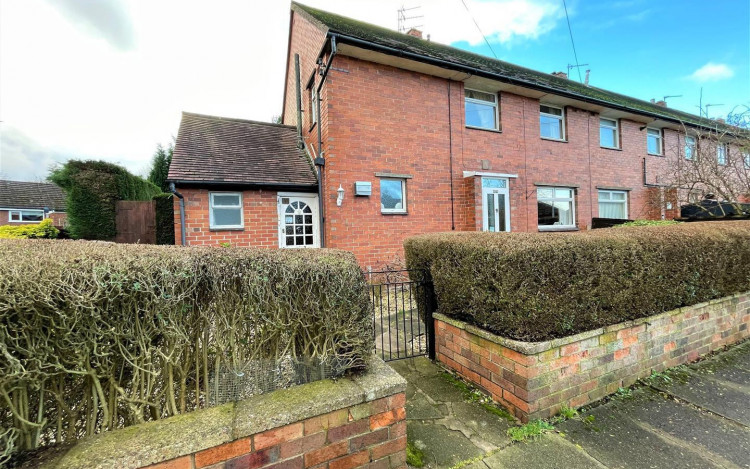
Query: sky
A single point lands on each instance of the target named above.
(108, 79)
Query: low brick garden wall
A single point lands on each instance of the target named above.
(534, 379)
(350, 423)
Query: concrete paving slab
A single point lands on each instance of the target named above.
(732, 366)
(442, 447)
(548, 452)
(717, 396)
(483, 424)
(418, 408)
(617, 441)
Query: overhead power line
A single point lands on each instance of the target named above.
(479, 29)
(570, 30)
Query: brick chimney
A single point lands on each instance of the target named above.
(559, 74)
(661, 103)
(415, 32)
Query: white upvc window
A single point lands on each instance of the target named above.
(721, 154)
(225, 211)
(556, 207)
(654, 142)
(689, 147)
(551, 122)
(613, 204)
(746, 159)
(25, 216)
(481, 110)
(313, 105)
(392, 195)
(609, 133)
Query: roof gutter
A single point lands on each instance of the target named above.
(475, 71)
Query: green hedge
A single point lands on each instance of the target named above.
(116, 334)
(44, 229)
(92, 189)
(164, 219)
(532, 286)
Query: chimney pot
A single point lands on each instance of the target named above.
(415, 32)
(653, 101)
(661, 103)
(559, 74)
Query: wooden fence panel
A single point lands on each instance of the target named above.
(136, 221)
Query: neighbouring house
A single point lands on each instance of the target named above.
(408, 136)
(31, 202)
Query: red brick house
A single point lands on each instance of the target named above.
(408, 136)
(25, 203)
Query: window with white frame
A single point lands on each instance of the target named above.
(551, 122)
(654, 141)
(721, 154)
(746, 159)
(481, 110)
(313, 103)
(689, 147)
(225, 210)
(25, 216)
(609, 134)
(392, 195)
(556, 207)
(613, 204)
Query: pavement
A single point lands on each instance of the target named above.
(695, 416)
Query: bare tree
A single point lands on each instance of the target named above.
(712, 164)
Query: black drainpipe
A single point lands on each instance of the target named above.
(173, 190)
(320, 161)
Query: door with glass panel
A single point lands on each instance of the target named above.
(495, 204)
(298, 221)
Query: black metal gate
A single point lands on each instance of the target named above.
(402, 314)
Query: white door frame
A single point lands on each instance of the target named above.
(312, 201)
(505, 191)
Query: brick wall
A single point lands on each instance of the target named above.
(535, 379)
(371, 435)
(261, 220)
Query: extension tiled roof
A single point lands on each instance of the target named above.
(497, 69)
(32, 195)
(220, 150)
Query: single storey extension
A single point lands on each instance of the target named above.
(31, 202)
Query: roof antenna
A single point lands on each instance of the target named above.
(403, 20)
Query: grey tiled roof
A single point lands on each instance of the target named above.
(36, 195)
(219, 150)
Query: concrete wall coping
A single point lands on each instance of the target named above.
(533, 348)
(162, 440)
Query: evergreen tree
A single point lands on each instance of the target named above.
(160, 166)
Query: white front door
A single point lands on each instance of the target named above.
(299, 225)
(495, 204)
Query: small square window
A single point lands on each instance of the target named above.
(225, 210)
(608, 133)
(481, 110)
(551, 122)
(654, 141)
(392, 195)
(613, 204)
(689, 147)
(555, 207)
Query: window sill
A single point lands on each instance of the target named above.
(656, 154)
(560, 140)
(557, 228)
(394, 213)
(497, 131)
(610, 148)
(226, 229)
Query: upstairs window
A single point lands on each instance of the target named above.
(746, 159)
(392, 195)
(613, 204)
(689, 147)
(721, 154)
(551, 122)
(481, 110)
(609, 133)
(556, 207)
(313, 104)
(225, 211)
(654, 142)
(25, 216)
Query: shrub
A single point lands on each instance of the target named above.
(648, 223)
(92, 189)
(44, 229)
(115, 334)
(164, 219)
(531, 286)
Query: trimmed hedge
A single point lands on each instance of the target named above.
(164, 219)
(92, 189)
(531, 286)
(43, 229)
(116, 334)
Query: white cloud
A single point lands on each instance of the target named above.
(712, 72)
(108, 79)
